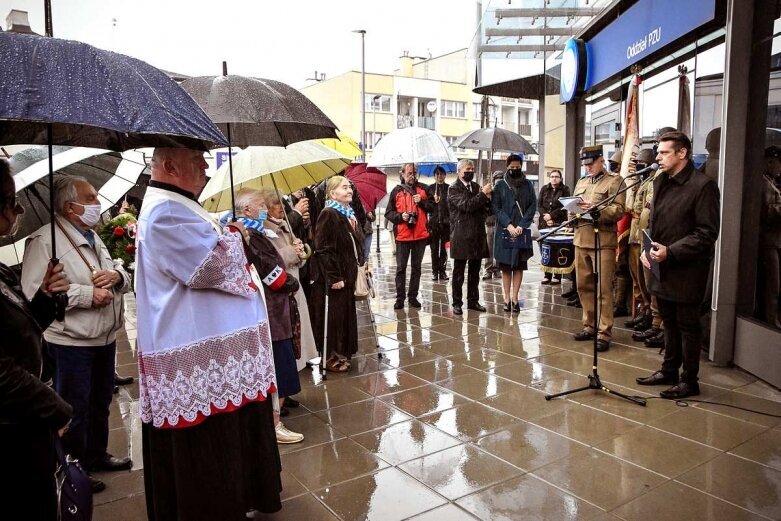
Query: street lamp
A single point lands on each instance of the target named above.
(374, 123)
(362, 32)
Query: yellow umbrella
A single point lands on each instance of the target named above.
(288, 169)
(345, 145)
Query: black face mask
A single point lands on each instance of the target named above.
(469, 175)
(515, 173)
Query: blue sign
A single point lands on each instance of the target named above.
(643, 29)
(573, 70)
(220, 158)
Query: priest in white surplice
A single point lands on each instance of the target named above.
(204, 354)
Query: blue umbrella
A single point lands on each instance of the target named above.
(63, 92)
(427, 169)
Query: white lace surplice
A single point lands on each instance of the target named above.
(203, 334)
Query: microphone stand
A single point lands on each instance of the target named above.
(594, 381)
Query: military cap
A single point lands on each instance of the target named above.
(773, 151)
(589, 154)
(664, 130)
(646, 156)
(617, 156)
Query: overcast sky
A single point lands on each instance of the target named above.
(286, 40)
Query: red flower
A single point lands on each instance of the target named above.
(130, 248)
(119, 231)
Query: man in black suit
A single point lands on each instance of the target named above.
(684, 227)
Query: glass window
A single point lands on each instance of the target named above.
(454, 109)
(377, 103)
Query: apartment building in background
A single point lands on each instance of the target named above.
(433, 93)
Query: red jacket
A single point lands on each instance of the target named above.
(400, 201)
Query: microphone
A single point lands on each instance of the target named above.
(650, 168)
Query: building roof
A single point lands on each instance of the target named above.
(530, 87)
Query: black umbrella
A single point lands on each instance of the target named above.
(113, 175)
(258, 112)
(63, 92)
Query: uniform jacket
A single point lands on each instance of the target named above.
(468, 207)
(83, 324)
(24, 397)
(641, 209)
(685, 214)
(596, 189)
(400, 201)
(438, 215)
(548, 202)
(770, 218)
(503, 202)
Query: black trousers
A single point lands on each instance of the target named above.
(473, 278)
(682, 338)
(439, 236)
(405, 249)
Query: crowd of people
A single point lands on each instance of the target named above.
(229, 312)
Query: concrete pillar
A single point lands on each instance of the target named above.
(541, 138)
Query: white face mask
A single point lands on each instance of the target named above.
(91, 215)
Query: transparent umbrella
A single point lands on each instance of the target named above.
(411, 145)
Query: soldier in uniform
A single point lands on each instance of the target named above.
(640, 294)
(597, 186)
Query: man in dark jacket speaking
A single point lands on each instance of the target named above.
(684, 227)
(407, 207)
(468, 205)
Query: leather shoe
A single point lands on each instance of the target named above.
(555, 282)
(435, 277)
(583, 336)
(399, 304)
(476, 307)
(569, 294)
(517, 307)
(443, 276)
(573, 302)
(655, 341)
(657, 378)
(620, 312)
(415, 303)
(642, 336)
(109, 463)
(457, 310)
(95, 484)
(545, 281)
(633, 323)
(507, 307)
(603, 345)
(291, 402)
(123, 380)
(284, 411)
(681, 390)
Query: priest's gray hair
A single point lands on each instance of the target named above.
(65, 191)
(245, 197)
(463, 163)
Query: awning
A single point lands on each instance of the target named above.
(530, 87)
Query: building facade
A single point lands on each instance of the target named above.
(433, 93)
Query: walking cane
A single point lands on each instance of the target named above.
(324, 356)
(371, 314)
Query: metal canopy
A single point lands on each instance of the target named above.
(567, 12)
(534, 29)
(530, 87)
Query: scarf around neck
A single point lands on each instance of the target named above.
(347, 212)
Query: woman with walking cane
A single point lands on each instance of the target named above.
(338, 253)
(514, 204)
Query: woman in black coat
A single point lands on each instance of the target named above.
(552, 212)
(338, 252)
(31, 412)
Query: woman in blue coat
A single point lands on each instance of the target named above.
(514, 204)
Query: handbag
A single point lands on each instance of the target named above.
(74, 490)
(524, 240)
(363, 286)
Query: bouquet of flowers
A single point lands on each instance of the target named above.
(119, 236)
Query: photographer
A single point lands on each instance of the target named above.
(407, 207)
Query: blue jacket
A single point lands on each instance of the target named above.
(507, 212)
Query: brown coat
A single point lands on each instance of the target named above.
(595, 192)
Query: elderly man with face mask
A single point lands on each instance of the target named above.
(84, 344)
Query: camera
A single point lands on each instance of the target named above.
(412, 220)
